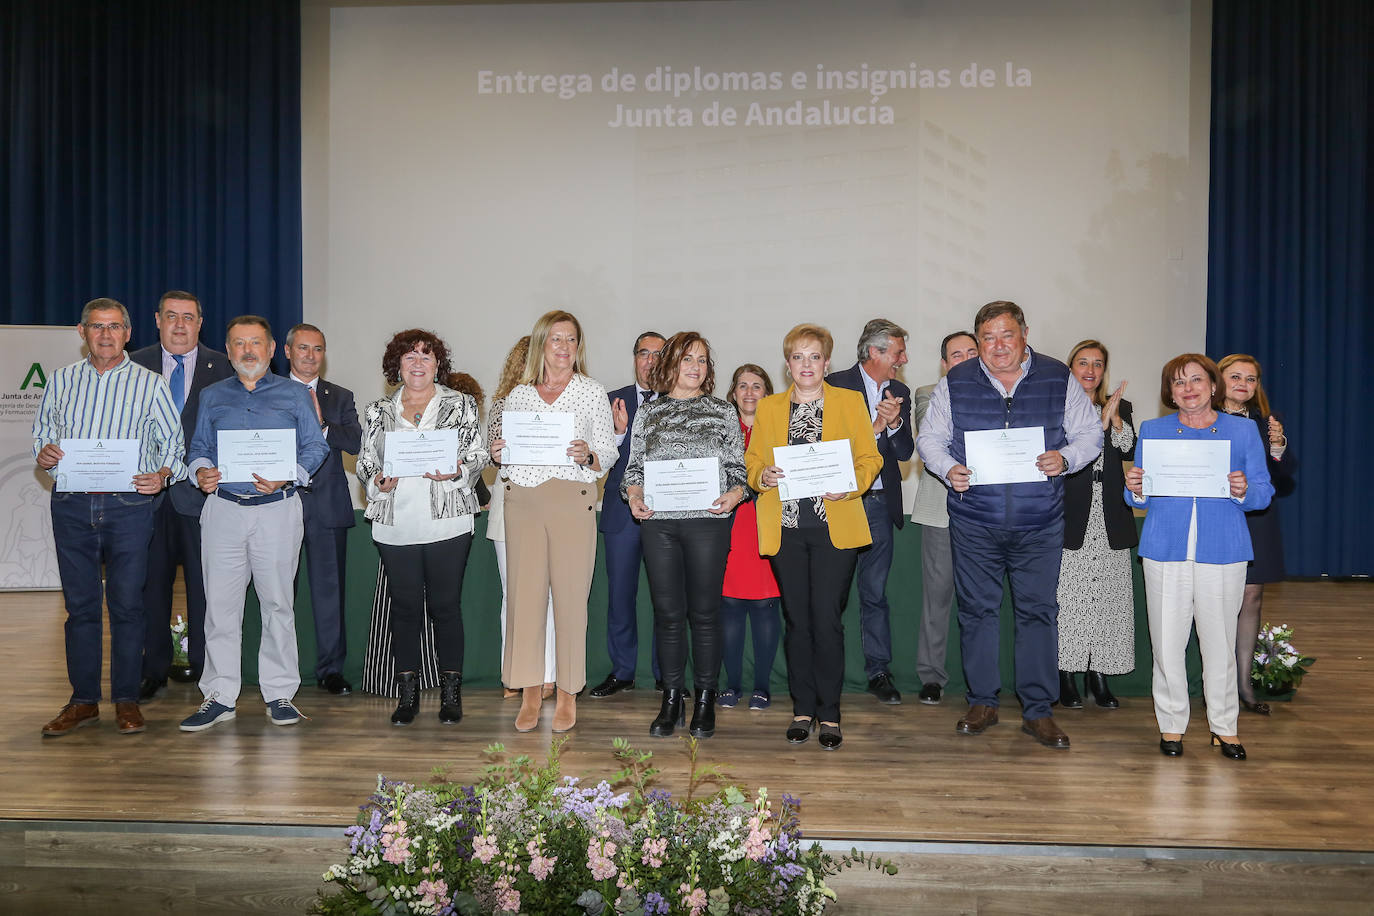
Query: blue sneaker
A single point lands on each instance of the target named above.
(760, 700)
(210, 713)
(728, 698)
(284, 712)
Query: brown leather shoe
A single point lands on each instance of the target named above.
(977, 720)
(1046, 732)
(128, 718)
(72, 717)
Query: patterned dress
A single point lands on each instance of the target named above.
(1096, 595)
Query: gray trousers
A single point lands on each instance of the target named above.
(241, 544)
(937, 594)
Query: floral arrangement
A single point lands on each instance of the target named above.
(1278, 665)
(180, 646)
(526, 839)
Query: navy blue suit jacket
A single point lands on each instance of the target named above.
(894, 448)
(615, 512)
(211, 366)
(327, 502)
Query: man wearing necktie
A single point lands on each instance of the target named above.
(621, 532)
(326, 504)
(188, 366)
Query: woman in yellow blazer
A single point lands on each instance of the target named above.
(813, 542)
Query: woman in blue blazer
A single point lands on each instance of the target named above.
(1195, 551)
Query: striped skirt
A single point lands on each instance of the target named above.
(379, 665)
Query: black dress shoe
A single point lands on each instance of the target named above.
(658, 684)
(183, 674)
(1096, 684)
(930, 694)
(882, 688)
(334, 682)
(1232, 751)
(1068, 691)
(611, 686)
(830, 737)
(800, 729)
(670, 714)
(703, 714)
(1171, 748)
(151, 687)
(1258, 708)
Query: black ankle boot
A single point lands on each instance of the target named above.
(703, 715)
(670, 714)
(1068, 691)
(451, 697)
(1096, 684)
(408, 698)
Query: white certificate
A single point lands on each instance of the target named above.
(1175, 467)
(269, 453)
(681, 484)
(97, 465)
(537, 436)
(1004, 455)
(815, 468)
(417, 452)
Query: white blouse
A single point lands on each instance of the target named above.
(586, 399)
(411, 497)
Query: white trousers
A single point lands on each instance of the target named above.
(241, 544)
(1181, 595)
(550, 644)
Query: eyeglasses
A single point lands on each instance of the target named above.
(113, 326)
(645, 353)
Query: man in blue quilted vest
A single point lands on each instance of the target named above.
(1008, 529)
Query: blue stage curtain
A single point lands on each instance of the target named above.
(1290, 250)
(150, 145)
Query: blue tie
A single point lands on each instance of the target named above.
(178, 381)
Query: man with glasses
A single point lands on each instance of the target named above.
(187, 365)
(105, 397)
(621, 532)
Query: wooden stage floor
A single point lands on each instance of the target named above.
(903, 775)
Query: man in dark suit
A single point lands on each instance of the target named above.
(326, 505)
(188, 366)
(882, 351)
(621, 532)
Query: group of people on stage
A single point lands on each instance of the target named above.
(717, 564)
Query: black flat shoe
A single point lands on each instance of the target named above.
(1232, 751)
(1096, 684)
(1171, 748)
(800, 729)
(1259, 709)
(830, 737)
(151, 687)
(1068, 691)
(670, 714)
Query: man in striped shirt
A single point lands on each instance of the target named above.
(106, 396)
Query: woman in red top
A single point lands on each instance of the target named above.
(750, 592)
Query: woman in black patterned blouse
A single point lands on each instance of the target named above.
(685, 548)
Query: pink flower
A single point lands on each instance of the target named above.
(396, 843)
(756, 844)
(694, 900)
(541, 866)
(654, 851)
(434, 892)
(484, 848)
(599, 861)
(507, 897)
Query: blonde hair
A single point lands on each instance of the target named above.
(515, 364)
(539, 336)
(804, 332)
(1259, 400)
(1100, 392)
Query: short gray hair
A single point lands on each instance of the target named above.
(878, 334)
(104, 305)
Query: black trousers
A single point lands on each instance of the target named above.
(175, 542)
(685, 560)
(420, 577)
(814, 577)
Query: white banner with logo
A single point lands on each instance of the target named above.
(29, 355)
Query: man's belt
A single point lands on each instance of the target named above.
(285, 492)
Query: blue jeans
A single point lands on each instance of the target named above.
(115, 529)
(766, 626)
(875, 561)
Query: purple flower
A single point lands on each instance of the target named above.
(655, 904)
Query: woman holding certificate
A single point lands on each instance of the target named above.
(684, 477)
(422, 449)
(1096, 594)
(1197, 473)
(557, 438)
(811, 457)
(1245, 397)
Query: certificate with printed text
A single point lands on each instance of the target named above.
(1186, 467)
(269, 453)
(417, 452)
(1004, 455)
(815, 468)
(537, 436)
(97, 465)
(681, 484)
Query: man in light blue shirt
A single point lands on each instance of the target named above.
(251, 530)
